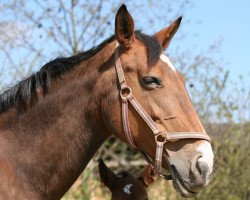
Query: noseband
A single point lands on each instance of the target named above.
(161, 137)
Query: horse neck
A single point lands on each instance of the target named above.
(56, 138)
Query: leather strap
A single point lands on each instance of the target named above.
(158, 155)
(125, 122)
(119, 70)
(143, 114)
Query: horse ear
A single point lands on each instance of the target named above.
(148, 176)
(124, 27)
(107, 176)
(166, 34)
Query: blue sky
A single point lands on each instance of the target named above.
(220, 20)
(227, 20)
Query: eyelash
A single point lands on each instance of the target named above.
(151, 80)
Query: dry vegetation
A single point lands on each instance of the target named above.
(231, 178)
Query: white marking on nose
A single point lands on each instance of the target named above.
(207, 156)
(166, 59)
(127, 188)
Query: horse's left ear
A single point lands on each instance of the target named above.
(166, 34)
(124, 27)
(107, 176)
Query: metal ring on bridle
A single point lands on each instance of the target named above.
(125, 92)
(162, 135)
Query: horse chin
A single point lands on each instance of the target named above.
(178, 183)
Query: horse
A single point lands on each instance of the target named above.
(123, 185)
(53, 122)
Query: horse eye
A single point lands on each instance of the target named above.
(151, 80)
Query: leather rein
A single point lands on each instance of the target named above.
(161, 137)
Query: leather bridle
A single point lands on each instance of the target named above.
(161, 137)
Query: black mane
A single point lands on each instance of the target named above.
(25, 90)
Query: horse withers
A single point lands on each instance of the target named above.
(53, 122)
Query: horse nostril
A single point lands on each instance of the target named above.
(202, 168)
(199, 174)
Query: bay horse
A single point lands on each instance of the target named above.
(124, 186)
(53, 122)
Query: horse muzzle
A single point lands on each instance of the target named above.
(191, 173)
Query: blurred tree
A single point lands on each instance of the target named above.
(33, 32)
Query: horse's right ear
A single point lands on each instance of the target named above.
(166, 34)
(107, 176)
(124, 27)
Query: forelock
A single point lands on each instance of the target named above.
(153, 46)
